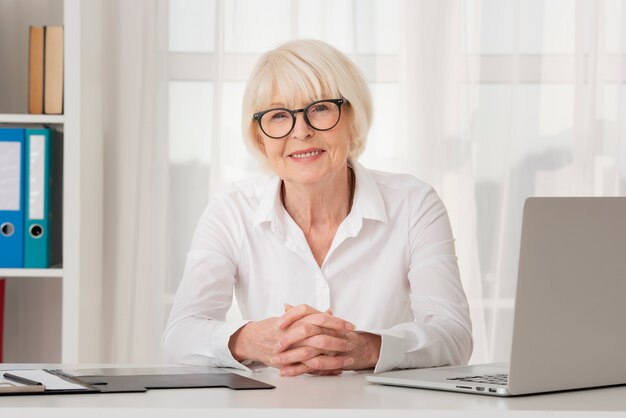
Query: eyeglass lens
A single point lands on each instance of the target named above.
(321, 116)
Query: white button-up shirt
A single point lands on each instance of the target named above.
(391, 270)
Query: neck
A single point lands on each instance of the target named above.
(325, 204)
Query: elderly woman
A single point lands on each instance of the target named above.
(334, 266)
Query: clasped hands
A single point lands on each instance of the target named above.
(305, 340)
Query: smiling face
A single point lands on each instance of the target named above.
(308, 70)
(307, 156)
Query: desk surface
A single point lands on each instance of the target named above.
(313, 396)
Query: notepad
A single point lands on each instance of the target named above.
(47, 379)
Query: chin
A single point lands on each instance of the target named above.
(305, 180)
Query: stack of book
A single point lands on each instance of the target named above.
(45, 70)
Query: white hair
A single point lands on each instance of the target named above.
(303, 71)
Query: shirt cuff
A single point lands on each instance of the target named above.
(392, 352)
(221, 341)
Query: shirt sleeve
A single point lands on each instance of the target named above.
(196, 332)
(441, 333)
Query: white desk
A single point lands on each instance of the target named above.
(310, 396)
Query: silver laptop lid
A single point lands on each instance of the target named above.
(570, 306)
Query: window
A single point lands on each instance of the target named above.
(536, 105)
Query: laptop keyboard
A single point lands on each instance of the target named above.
(490, 379)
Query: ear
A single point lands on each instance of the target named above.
(261, 144)
(353, 142)
(351, 128)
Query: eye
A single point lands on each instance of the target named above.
(320, 107)
(278, 116)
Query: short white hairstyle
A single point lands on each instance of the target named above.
(303, 71)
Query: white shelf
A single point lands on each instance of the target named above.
(13, 273)
(62, 314)
(25, 118)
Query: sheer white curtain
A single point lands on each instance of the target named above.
(414, 56)
(490, 101)
(547, 121)
(135, 189)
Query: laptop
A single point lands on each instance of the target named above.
(570, 306)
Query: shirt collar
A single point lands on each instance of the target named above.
(269, 202)
(367, 202)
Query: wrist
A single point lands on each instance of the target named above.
(376, 342)
(238, 343)
(372, 343)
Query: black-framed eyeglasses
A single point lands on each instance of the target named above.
(321, 115)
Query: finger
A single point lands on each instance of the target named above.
(304, 329)
(311, 347)
(287, 307)
(337, 334)
(295, 370)
(296, 355)
(325, 372)
(299, 369)
(295, 313)
(329, 362)
(296, 334)
(328, 321)
(325, 342)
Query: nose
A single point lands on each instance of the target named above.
(301, 129)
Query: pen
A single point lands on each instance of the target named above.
(20, 379)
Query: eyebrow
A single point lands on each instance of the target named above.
(283, 105)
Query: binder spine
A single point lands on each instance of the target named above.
(11, 198)
(36, 207)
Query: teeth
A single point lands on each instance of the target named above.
(306, 154)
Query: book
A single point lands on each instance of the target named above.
(53, 71)
(35, 69)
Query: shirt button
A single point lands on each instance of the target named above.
(322, 284)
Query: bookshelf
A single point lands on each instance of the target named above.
(43, 273)
(52, 315)
(34, 119)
